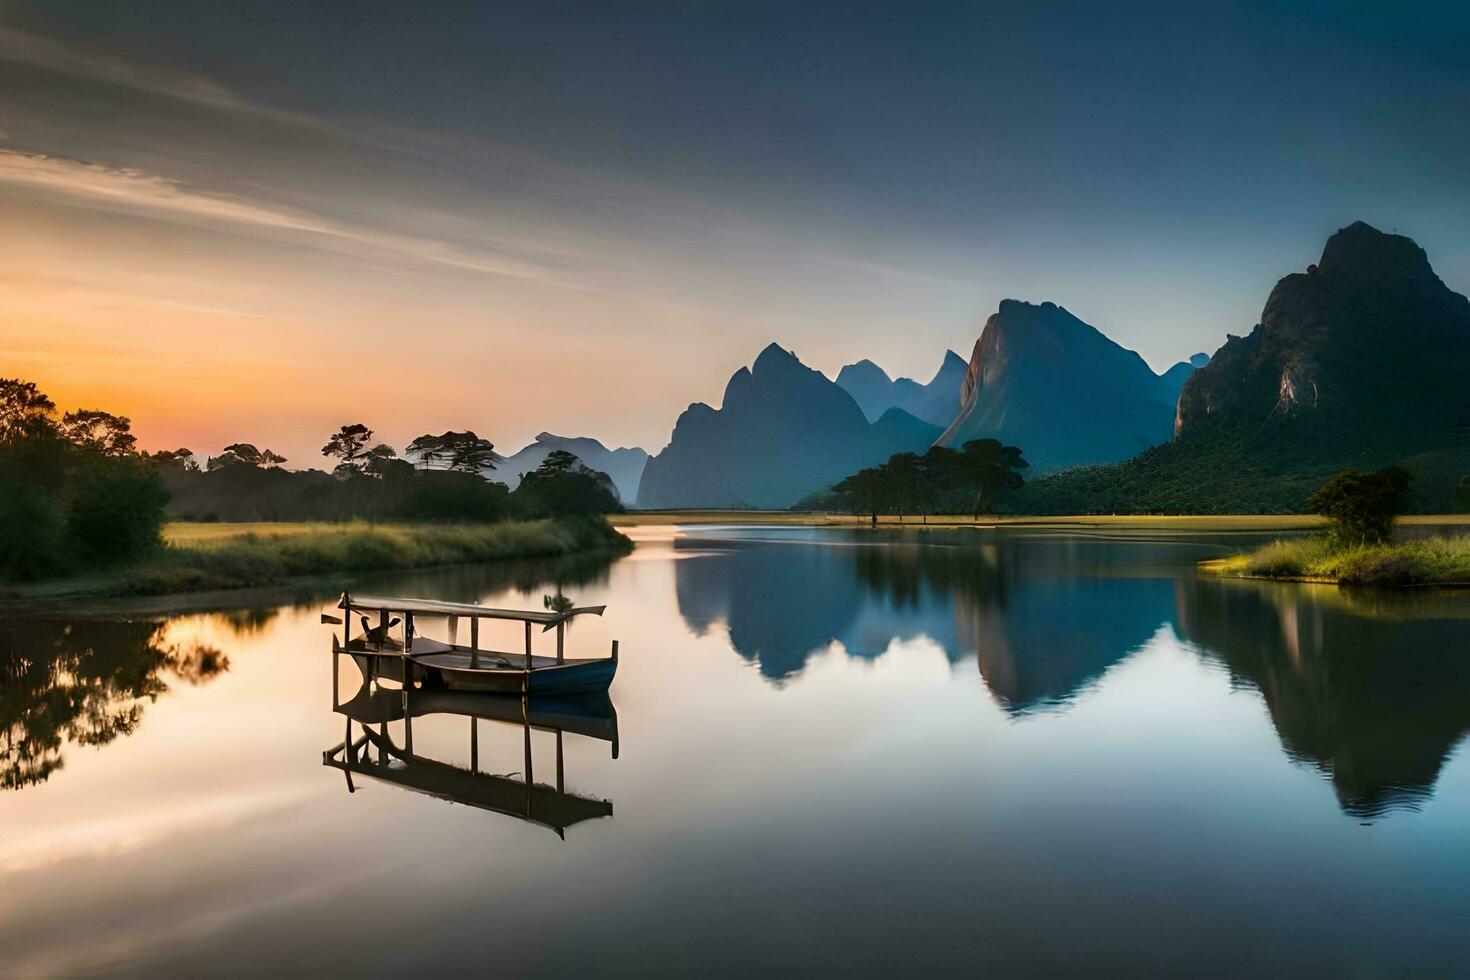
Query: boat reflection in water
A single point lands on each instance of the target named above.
(373, 751)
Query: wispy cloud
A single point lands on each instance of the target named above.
(39, 51)
(133, 191)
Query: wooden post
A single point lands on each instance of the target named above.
(407, 633)
(526, 724)
(475, 642)
(346, 620)
(453, 630)
(474, 743)
(560, 780)
(407, 726)
(528, 646)
(615, 651)
(561, 629)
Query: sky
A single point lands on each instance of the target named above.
(259, 221)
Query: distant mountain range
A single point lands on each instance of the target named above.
(1363, 360)
(1041, 379)
(935, 402)
(624, 466)
(782, 430)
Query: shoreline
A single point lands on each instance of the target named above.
(1416, 563)
(1250, 523)
(218, 560)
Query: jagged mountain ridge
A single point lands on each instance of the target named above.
(624, 465)
(782, 430)
(935, 402)
(1042, 379)
(1359, 361)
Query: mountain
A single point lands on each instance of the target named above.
(875, 393)
(1360, 361)
(1041, 379)
(625, 466)
(1171, 382)
(782, 431)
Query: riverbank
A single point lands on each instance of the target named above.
(1204, 522)
(206, 557)
(1212, 522)
(1423, 561)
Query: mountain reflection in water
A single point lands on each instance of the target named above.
(1373, 693)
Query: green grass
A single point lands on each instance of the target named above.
(199, 557)
(1427, 561)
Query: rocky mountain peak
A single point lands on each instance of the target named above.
(1361, 250)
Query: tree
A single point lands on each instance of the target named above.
(989, 468)
(902, 475)
(938, 468)
(464, 452)
(864, 491)
(557, 461)
(180, 458)
(101, 432)
(24, 409)
(563, 484)
(381, 461)
(243, 454)
(348, 445)
(1360, 507)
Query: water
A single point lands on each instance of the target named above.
(955, 752)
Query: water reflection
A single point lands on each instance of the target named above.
(84, 682)
(1376, 702)
(1043, 616)
(1373, 689)
(384, 748)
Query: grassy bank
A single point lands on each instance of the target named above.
(199, 557)
(1427, 561)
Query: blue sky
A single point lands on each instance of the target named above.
(581, 217)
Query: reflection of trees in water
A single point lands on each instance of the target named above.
(83, 682)
(1376, 704)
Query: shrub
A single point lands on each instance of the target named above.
(117, 510)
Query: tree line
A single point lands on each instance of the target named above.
(76, 492)
(941, 480)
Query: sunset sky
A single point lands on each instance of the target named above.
(256, 222)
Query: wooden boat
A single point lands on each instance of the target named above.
(468, 667)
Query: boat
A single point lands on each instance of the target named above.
(420, 660)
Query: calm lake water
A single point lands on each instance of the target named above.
(955, 752)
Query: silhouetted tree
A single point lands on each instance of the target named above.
(25, 410)
(563, 484)
(349, 445)
(464, 452)
(245, 454)
(989, 468)
(100, 432)
(1361, 507)
(181, 459)
(863, 491)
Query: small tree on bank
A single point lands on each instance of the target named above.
(1361, 507)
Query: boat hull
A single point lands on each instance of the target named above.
(568, 677)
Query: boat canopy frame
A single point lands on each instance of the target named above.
(547, 619)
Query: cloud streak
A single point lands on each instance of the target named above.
(132, 191)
